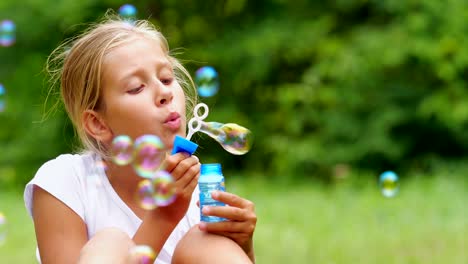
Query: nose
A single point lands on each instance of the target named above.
(164, 94)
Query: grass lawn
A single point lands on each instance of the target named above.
(427, 222)
(19, 244)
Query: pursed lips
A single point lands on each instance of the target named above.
(173, 121)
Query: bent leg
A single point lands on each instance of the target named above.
(202, 247)
(109, 245)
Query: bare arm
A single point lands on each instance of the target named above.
(60, 232)
(159, 223)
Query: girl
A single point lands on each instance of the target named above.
(119, 79)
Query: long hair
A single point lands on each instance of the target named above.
(77, 64)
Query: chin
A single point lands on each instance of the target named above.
(170, 142)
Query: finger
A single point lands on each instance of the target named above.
(227, 226)
(171, 161)
(229, 212)
(189, 181)
(183, 166)
(232, 200)
(189, 178)
(187, 191)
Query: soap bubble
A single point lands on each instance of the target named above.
(128, 12)
(101, 165)
(2, 98)
(388, 183)
(207, 81)
(94, 177)
(142, 254)
(122, 150)
(3, 228)
(149, 151)
(145, 194)
(233, 138)
(164, 188)
(7, 33)
(157, 191)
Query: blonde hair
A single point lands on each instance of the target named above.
(78, 69)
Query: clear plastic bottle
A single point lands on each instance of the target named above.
(211, 179)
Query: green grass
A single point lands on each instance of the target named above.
(20, 242)
(427, 222)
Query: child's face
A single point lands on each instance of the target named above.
(141, 94)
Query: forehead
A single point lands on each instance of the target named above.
(135, 48)
(132, 55)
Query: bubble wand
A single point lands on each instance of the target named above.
(233, 138)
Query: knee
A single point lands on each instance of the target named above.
(110, 233)
(111, 237)
(109, 245)
(201, 247)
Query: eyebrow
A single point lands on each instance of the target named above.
(160, 65)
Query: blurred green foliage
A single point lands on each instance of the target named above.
(323, 85)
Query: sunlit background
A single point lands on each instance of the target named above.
(358, 112)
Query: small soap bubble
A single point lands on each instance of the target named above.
(94, 178)
(7, 33)
(207, 81)
(388, 182)
(145, 194)
(233, 138)
(128, 12)
(164, 188)
(101, 165)
(2, 98)
(122, 150)
(142, 254)
(149, 151)
(3, 228)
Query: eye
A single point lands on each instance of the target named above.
(167, 81)
(135, 90)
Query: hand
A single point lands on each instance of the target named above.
(158, 224)
(242, 220)
(185, 170)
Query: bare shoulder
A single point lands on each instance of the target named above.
(60, 232)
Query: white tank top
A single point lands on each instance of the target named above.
(81, 184)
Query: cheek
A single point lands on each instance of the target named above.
(180, 100)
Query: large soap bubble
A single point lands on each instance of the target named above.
(148, 154)
(232, 137)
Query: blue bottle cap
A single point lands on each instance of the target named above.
(183, 145)
(211, 168)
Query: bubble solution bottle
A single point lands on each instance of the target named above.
(211, 179)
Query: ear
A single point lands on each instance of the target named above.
(96, 127)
